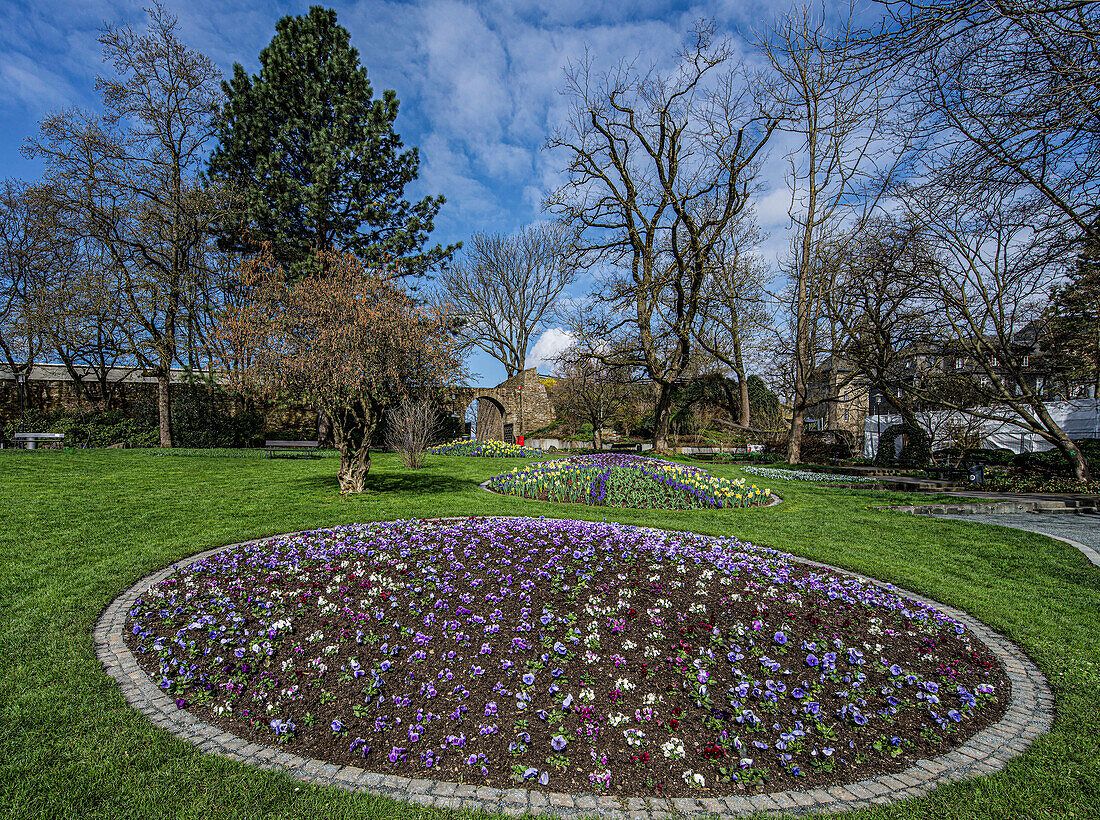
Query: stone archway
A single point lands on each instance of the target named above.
(492, 419)
(515, 407)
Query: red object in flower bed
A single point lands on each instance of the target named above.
(565, 654)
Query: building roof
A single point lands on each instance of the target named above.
(48, 372)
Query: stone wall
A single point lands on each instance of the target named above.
(136, 397)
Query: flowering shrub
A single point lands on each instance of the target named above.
(566, 654)
(483, 449)
(627, 481)
(808, 475)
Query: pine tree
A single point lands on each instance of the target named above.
(315, 157)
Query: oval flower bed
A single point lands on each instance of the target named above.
(809, 475)
(571, 655)
(627, 481)
(482, 449)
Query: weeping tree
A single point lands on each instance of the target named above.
(344, 338)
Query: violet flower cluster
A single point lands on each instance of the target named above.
(566, 654)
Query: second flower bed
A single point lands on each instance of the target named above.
(627, 481)
(483, 449)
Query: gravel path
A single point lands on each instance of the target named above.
(1081, 530)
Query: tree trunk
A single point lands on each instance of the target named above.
(662, 415)
(353, 427)
(164, 409)
(794, 440)
(743, 385)
(324, 429)
(597, 437)
(354, 466)
(1078, 464)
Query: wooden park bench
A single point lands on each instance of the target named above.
(291, 449)
(30, 441)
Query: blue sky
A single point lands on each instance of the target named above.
(478, 83)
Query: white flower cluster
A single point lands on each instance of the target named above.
(674, 748)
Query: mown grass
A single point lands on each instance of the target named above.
(77, 528)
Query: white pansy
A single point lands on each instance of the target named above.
(673, 748)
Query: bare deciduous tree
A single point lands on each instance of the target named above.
(881, 325)
(989, 295)
(592, 390)
(130, 181)
(27, 258)
(659, 165)
(411, 426)
(735, 313)
(503, 290)
(1008, 93)
(837, 109)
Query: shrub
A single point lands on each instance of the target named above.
(1052, 463)
(207, 416)
(410, 427)
(97, 428)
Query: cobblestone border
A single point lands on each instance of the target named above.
(1029, 714)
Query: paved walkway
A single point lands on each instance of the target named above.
(1068, 499)
(1081, 530)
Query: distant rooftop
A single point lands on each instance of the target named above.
(48, 372)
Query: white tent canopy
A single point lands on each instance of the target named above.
(1079, 418)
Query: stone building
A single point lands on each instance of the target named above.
(839, 403)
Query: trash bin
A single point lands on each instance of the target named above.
(977, 475)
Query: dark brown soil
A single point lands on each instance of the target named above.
(361, 634)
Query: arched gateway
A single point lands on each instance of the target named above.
(516, 407)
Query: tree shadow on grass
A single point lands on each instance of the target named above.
(406, 482)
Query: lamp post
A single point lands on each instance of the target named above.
(20, 378)
(519, 421)
(878, 422)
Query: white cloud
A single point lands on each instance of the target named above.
(479, 84)
(551, 344)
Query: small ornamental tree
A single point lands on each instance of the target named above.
(346, 339)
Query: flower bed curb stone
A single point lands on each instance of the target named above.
(1029, 715)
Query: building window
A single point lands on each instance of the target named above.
(993, 361)
(1026, 359)
(959, 364)
(847, 414)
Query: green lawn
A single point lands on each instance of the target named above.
(77, 528)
